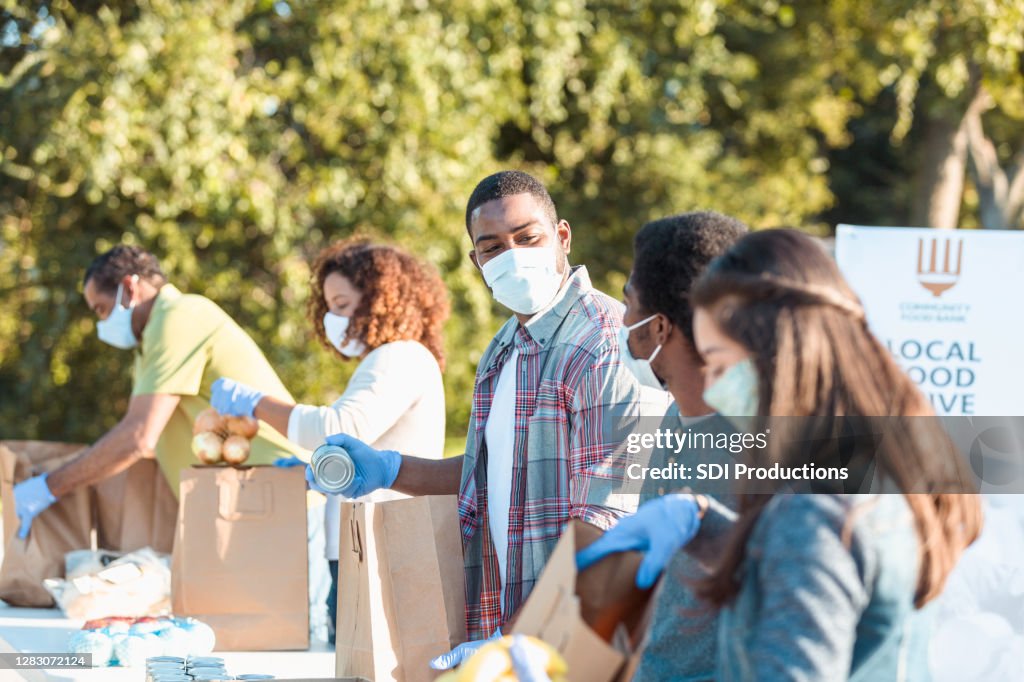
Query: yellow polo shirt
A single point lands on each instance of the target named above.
(189, 343)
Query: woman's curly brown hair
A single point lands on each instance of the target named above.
(403, 299)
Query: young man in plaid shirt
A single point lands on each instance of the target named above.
(552, 401)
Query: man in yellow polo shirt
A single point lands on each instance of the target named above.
(183, 343)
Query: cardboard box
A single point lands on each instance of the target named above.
(597, 619)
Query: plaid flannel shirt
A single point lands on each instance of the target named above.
(575, 402)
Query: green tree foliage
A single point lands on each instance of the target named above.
(946, 83)
(235, 138)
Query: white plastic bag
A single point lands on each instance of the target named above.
(102, 584)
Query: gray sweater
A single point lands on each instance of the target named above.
(827, 591)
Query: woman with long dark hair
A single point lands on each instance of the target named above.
(819, 585)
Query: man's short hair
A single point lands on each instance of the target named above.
(108, 269)
(671, 253)
(507, 184)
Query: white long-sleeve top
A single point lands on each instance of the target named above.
(394, 401)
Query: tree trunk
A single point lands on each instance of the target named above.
(939, 185)
(1000, 191)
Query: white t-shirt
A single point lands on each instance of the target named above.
(394, 401)
(499, 434)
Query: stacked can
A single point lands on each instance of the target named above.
(166, 669)
(206, 668)
(196, 668)
(332, 468)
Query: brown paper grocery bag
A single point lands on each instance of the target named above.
(136, 509)
(553, 613)
(239, 561)
(401, 588)
(64, 526)
(596, 618)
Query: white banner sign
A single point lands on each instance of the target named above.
(949, 304)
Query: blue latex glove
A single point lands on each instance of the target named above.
(286, 462)
(659, 529)
(375, 469)
(525, 663)
(230, 397)
(456, 656)
(31, 497)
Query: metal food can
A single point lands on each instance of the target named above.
(166, 676)
(208, 670)
(332, 467)
(164, 671)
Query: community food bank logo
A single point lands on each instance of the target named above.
(938, 263)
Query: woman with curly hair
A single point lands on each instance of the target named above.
(386, 309)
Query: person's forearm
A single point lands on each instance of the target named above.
(113, 453)
(274, 412)
(418, 476)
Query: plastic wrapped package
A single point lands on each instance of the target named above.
(94, 642)
(130, 642)
(102, 584)
(131, 651)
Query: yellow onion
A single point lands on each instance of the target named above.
(235, 450)
(209, 420)
(247, 427)
(207, 447)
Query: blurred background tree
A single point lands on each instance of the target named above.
(237, 138)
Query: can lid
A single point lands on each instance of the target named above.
(335, 471)
(325, 450)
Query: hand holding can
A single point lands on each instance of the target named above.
(346, 466)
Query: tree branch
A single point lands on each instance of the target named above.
(1015, 195)
(989, 177)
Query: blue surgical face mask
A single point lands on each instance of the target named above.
(335, 326)
(735, 394)
(116, 330)
(524, 279)
(640, 368)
